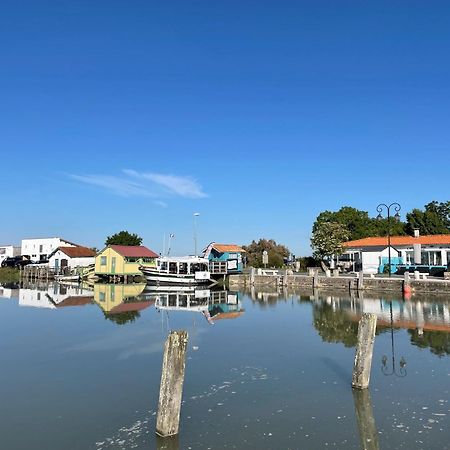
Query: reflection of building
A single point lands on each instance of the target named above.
(8, 251)
(412, 314)
(55, 295)
(70, 257)
(9, 292)
(123, 260)
(119, 298)
(369, 254)
(224, 258)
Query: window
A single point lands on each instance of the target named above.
(103, 260)
(101, 296)
(41, 248)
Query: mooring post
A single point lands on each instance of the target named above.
(252, 276)
(360, 280)
(368, 434)
(171, 389)
(315, 279)
(364, 350)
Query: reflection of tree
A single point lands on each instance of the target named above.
(437, 341)
(122, 318)
(335, 326)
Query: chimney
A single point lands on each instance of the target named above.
(417, 249)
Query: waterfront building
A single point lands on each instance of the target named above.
(371, 254)
(64, 258)
(39, 249)
(8, 251)
(224, 258)
(124, 260)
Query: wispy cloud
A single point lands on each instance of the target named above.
(145, 184)
(173, 184)
(120, 186)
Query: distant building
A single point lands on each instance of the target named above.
(371, 254)
(124, 260)
(39, 249)
(70, 257)
(224, 258)
(8, 251)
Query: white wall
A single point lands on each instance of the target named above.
(71, 262)
(8, 251)
(37, 248)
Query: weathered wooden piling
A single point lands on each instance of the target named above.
(316, 279)
(364, 350)
(360, 280)
(171, 388)
(368, 433)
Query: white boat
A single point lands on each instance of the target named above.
(184, 270)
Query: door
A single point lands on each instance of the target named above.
(113, 264)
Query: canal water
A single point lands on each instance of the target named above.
(80, 369)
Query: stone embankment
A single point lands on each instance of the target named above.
(348, 283)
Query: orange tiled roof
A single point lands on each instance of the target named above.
(228, 248)
(437, 239)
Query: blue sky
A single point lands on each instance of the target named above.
(258, 115)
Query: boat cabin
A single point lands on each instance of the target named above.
(182, 265)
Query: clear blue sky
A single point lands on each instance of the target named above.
(258, 115)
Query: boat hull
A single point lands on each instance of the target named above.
(160, 278)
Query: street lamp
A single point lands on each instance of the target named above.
(384, 366)
(195, 232)
(396, 208)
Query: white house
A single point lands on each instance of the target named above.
(8, 251)
(39, 249)
(70, 257)
(369, 254)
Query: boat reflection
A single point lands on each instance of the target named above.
(214, 305)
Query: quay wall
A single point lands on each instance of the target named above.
(342, 283)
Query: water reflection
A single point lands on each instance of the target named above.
(213, 305)
(368, 434)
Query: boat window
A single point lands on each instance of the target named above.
(173, 267)
(183, 268)
(164, 265)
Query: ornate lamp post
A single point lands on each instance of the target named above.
(396, 208)
(384, 364)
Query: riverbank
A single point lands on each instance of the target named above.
(9, 275)
(347, 283)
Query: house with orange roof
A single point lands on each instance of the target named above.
(371, 254)
(224, 258)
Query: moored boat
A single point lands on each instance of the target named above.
(184, 270)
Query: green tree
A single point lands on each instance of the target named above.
(437, 341)
(434, 219)
(358, 223)
(276, 253)
(123, 238)
(327, 239)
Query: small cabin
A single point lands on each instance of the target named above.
(66, 258)
(224, 258)
(123, 260)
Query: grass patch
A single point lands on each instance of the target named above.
(9, 275)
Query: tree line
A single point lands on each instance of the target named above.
(331, 229)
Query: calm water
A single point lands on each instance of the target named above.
(265, 370)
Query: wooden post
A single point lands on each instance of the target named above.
(171, 389)
(364, 350)
(360, 280)
(252, 276)
(368, 434)
(316, 279)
